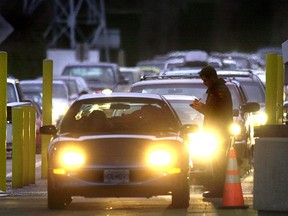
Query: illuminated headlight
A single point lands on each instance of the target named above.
(202, 144)
(72, 159)
(259, 118)
(160, 158)
(69, 160)
(235, 129)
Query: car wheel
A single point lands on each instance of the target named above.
(57, 199)
(181, 194)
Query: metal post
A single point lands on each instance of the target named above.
(3, 118)
(32, 143)
(47, 111)
(271, 85)
(280, 86)
(25, 146)
(17, 146)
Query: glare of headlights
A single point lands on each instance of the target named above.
(72, 159)
(202, 144)
(160, 158)
(58, 111)
(235, 129)
(259, 118)
(106, 91)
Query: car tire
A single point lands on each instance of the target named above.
(57, 199)
(181, 194)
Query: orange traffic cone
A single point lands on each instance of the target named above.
(232, 196)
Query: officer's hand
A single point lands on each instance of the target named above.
(197, 105)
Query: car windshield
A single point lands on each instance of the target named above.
(119, 116)
(72, 86)
(186, 114)
(101, 74)
(129, 76)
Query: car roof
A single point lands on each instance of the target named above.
(164, 80)
(63, 77)
(36, 81)
(121, 95)
(79, 64)
(180, 97)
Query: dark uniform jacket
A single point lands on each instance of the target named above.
(218, 110)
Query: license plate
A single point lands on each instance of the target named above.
(116, 176)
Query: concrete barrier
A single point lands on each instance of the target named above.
(271, 170)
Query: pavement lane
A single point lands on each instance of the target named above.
(32, 200)
(37, 168)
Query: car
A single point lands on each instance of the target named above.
(181, 104)
(14, 91)
(253, 90)
(60, 96)
(99, 76)
(119, 145)
(191, 85)
(76, 86)
(132, 75)
(16, 98)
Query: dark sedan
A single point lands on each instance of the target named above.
(119, 145)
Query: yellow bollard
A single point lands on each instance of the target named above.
(17, 146)
(280, 89)
(271, 85)
(32, 144)
(3, 118)
(47, 111)
(26, 146)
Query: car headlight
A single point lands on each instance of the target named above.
(202, 144)
(160, 158)
(235, 129)
(163, 159)
(68, 159)
(72, 159)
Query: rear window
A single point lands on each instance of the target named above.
(253, 92)
(198, 90)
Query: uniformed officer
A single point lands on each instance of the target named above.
(218, 117)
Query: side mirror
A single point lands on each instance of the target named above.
(250, 107)
(189, 128)
(235, 112)
(48, 129)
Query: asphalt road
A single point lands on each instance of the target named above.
(32, 200)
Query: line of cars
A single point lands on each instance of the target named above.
(87, 174)
(248, 95)
(143, 145)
